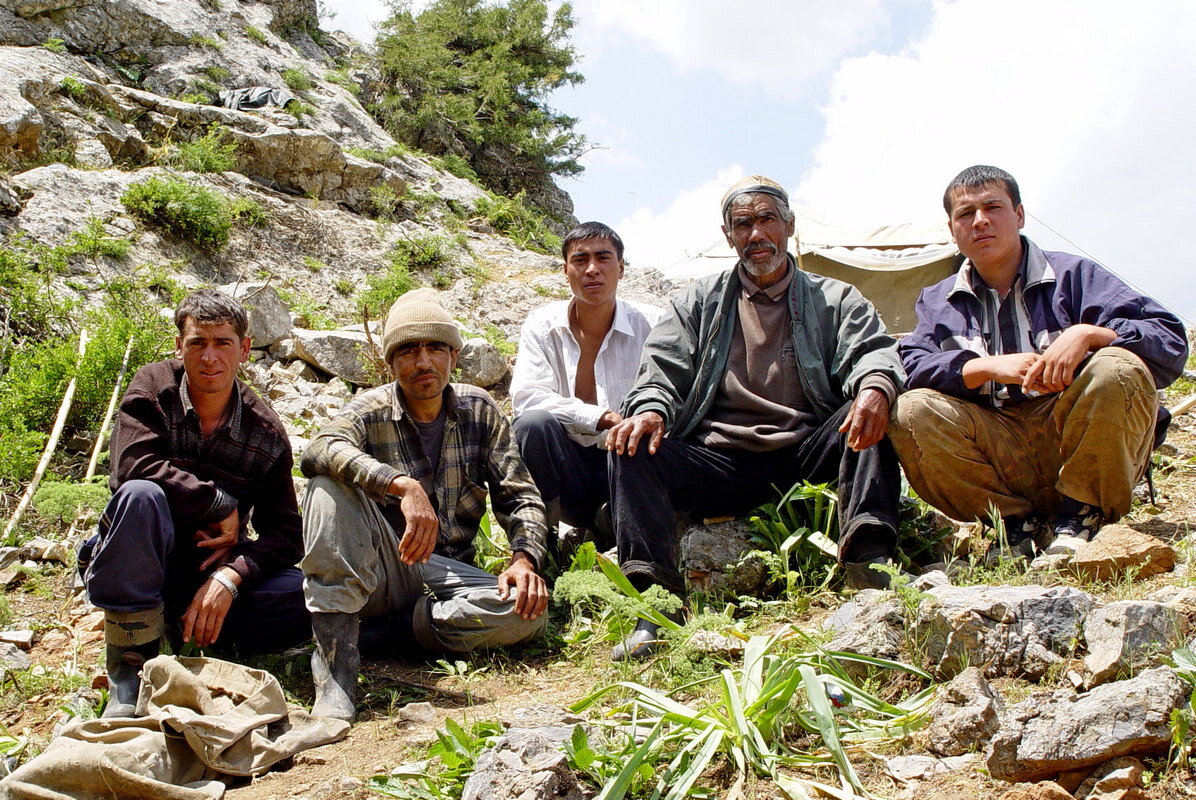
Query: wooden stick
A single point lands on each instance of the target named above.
(63, 410)
(95, 451)
(1184, 406)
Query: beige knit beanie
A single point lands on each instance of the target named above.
(418, 316)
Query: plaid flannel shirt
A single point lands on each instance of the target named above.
(373, 441)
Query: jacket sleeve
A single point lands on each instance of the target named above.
(140, 451)
(927, 364)
(337, 451)
(536, 387)
(1142, 325)
(513, 495)
(863, 347)
(279, 542)
(668, 365)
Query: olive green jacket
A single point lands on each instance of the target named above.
(838, 339)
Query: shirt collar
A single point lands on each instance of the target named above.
(774, 292)
(1034, 270)
(398, 408)
(620, 324)
(234, 418)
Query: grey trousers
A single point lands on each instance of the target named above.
(351, 565)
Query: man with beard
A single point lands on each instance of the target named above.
(398, 488)
(760, 376)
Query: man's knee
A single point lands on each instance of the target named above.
(918, 412)
(478, 620)
(1116, 369)
(534, 429)
(139, 495)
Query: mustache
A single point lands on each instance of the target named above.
(767, 247)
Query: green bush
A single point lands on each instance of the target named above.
(191, 212)
(198, 40)
(208, 153)
(457, 165)
(298, 109)
(422, 253)
(64, 502)
(256, 34)
(296, 79)
(74, 87)
(512, 217)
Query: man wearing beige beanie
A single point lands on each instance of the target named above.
(398, 489)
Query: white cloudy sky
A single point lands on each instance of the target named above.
(865, 109)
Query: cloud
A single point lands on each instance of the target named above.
(690, 223)
(778, 47)
(1087, 108)
(609, 143)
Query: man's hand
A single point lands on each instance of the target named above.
(1007, 369)
(422, 527)
(219, 537)
(625, 436)
(205, 616)
(1056, 368)
(867, 419)
(609, 419)
(531, 594)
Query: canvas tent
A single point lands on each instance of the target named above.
(890, 264)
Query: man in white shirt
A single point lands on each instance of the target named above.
(577, 359)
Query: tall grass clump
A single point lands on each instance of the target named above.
(195, 213)
(512, 217)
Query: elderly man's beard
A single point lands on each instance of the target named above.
(762, 268)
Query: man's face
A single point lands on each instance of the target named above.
(423, 368)
(593, 268)
(986, 225)
(759, 234)
(211, 355)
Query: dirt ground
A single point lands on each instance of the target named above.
(68, 646)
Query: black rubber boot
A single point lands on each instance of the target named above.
(335, 663)
(640, 643)
(124, 676)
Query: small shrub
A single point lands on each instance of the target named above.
(54, 45)
(512, 217)
(73, 87)
(341, 78)
(382, 290)
(199, 40)
(343, 286)
(191, 212)
(208, 153)
(94, 241)
(313, 264)
(296, 79)
(385, 202)
(421, 252)
(256, 34)
(506, 348)
(217, 73)
(298, 109)
(458, 166)
(64, 502)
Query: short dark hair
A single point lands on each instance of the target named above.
(212, 307)
(980, 175)
(591, 230)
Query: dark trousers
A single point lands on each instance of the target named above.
(648, 490)
(562, 469)
(138, 564)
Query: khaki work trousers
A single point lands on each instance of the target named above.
(351, 565)
(1090, 442)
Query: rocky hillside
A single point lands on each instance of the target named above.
(97, 97)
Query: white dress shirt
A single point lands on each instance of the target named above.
(546, 367)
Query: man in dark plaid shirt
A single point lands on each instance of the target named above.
(398, 490)
(195, 455)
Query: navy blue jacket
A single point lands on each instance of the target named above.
(1063, 290)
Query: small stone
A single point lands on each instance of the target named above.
(715, 643)
(1119, 779)
(350, 784)
(54, 640)
(12, 658)
(22, 638)
(929, 580)
(418, 713)
(916, 768)
(1047, 790)
(1117, 548)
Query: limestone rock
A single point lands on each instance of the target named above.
(719, 558)
(915, 768)
(1004, 630)
(871, 624)
(716, 643)
(1117, 548)
(525, 763)
(1058, 731)
(338, 352)
(22, 638)
(1048, 790)
(1127, 636)
(1119, 779)
(269, 319)
(481, 364)
(11, 658)
(965, 717)
(418, 713)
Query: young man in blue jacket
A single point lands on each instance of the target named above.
(1033, 378)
